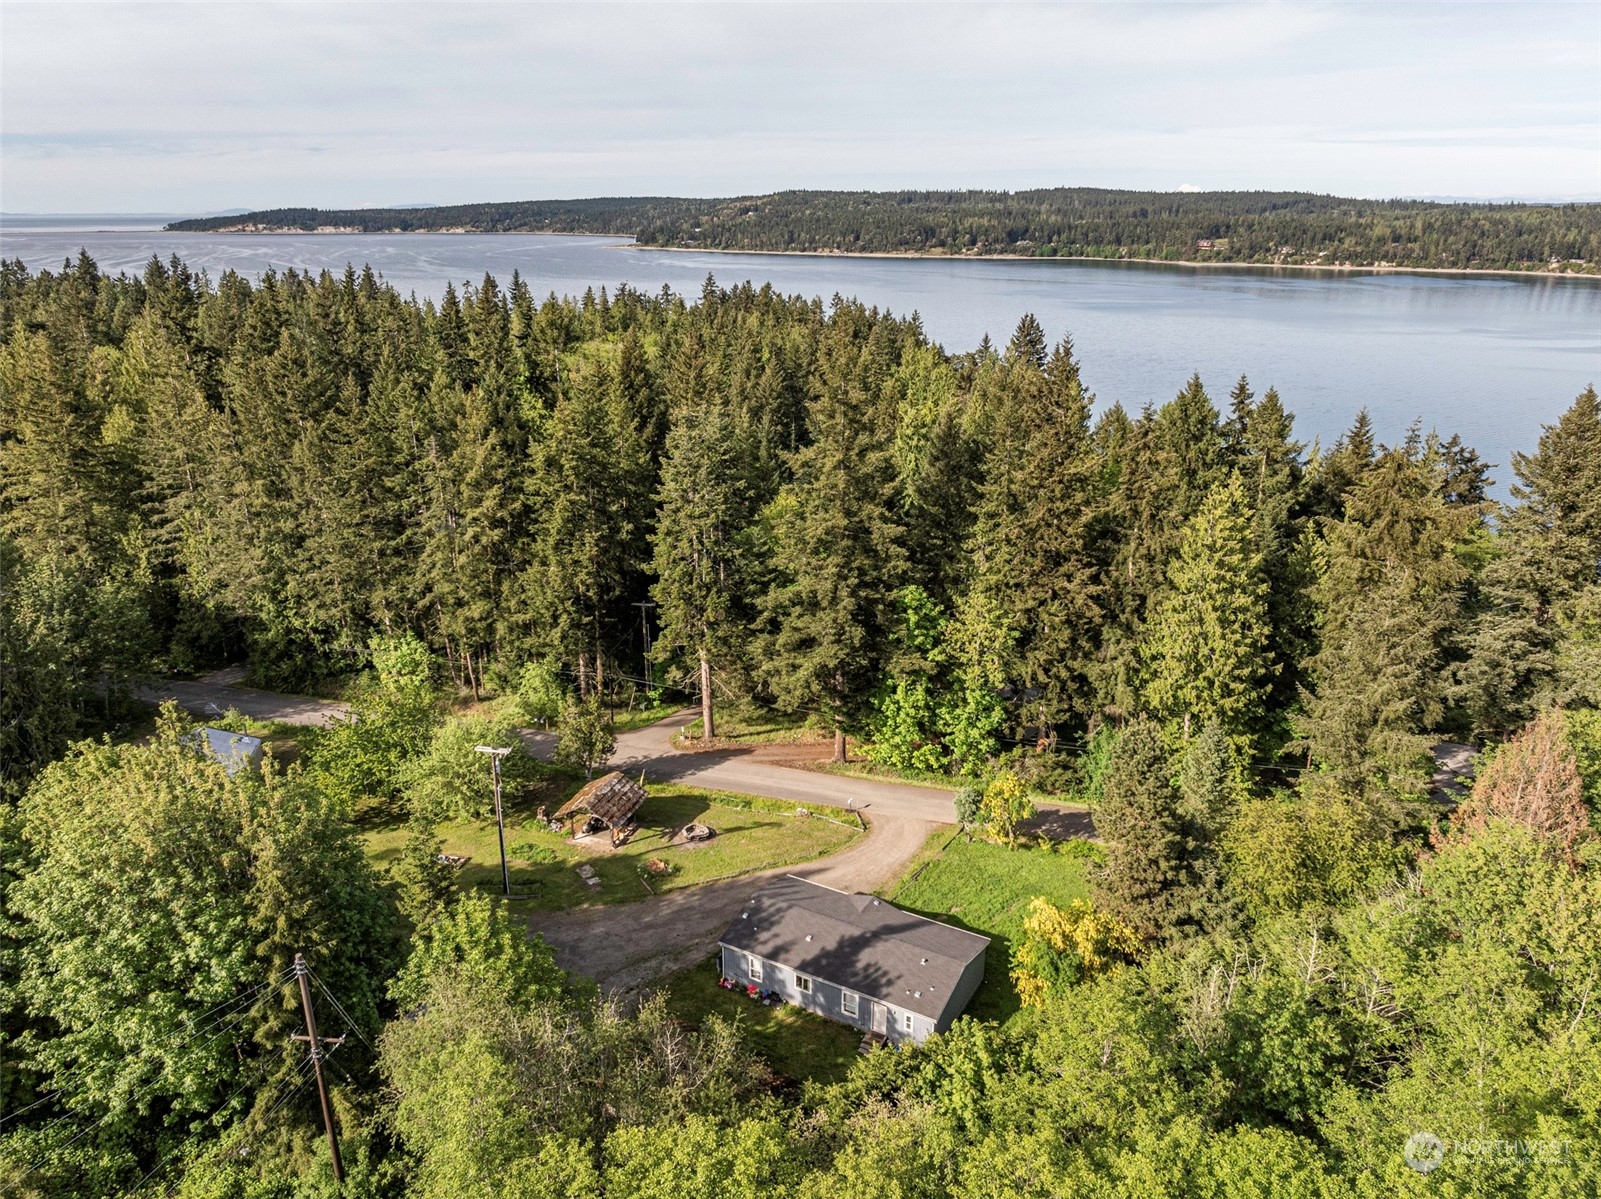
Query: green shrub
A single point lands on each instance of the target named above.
(533, 853)
(539, 693)
(452, 780)
(391, 721)
(584, 737)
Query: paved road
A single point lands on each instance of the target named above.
(216, 693)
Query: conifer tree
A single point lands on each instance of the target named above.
(1163, 465)
(699, 560)
(588, 480)
(1207, 643)
(1389, 595)
(1034, 547)
(1145, 881)
(836, 558)
(1542, 580)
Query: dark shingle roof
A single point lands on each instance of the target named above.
(862, 943)
(613, 797)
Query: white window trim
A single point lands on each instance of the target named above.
(753, 967)
(803, 984)
(850, 1003)
(906, 1021)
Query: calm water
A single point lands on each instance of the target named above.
(1489, 358)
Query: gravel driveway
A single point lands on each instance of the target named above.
(623, 945)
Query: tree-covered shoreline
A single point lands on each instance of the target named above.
(1247, 228)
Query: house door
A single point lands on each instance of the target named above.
(880, 1019)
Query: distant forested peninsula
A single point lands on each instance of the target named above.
(1257, 227)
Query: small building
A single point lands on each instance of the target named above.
(234, 750)
(854, 958)
(607, 802)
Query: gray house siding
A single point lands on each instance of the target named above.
(972, 977)
(826, 998)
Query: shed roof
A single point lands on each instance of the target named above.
(613, 797)
(233, 750)
(860, 942)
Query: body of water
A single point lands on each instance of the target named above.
(1491, 358)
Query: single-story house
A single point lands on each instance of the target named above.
(611, 800)
(233, 750)
(854, 958)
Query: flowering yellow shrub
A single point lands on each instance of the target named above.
(1063, 946)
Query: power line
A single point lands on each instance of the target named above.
(167, 1159)
(339, 1007)
(228, 1018)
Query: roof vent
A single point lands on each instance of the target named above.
(875, 903)
(744, 915)
(808, 936)
(925, 960)
(917, 994)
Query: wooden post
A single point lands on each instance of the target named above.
(316, 1044)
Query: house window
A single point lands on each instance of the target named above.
(803, 984)
(906, 1021)
(848, 1002)
(753, 966)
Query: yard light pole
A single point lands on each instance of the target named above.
(495, 755)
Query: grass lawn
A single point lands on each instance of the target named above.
(752, 834)
(987, 888)
(751, 724)
(791, 1040)
(627, 719)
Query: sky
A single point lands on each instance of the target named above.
(108, 108)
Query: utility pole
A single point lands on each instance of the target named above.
(495, 755)
(316, 1043)
(644, 607)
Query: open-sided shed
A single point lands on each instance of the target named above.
(612, 799)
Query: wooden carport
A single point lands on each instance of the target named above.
(612, 799)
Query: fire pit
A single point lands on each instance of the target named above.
(698, 832)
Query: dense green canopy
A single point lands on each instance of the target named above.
(1240, 653)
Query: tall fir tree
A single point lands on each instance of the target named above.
(1540, 587)
(1146, 880)
(1206, 647)
(589, 492)
(703, 508)
(1389, 596)
(1164, 465)
(1034, 552)
(836, 556)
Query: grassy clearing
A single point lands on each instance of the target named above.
(750, 724)
(627, 719)
(792, 1041)
(752, 834)
(987, 888)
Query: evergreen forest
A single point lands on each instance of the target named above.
(1237, 649)
(1277, 228)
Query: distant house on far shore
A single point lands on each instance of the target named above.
(233, 750)
(856, 959)
(1204, 243)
